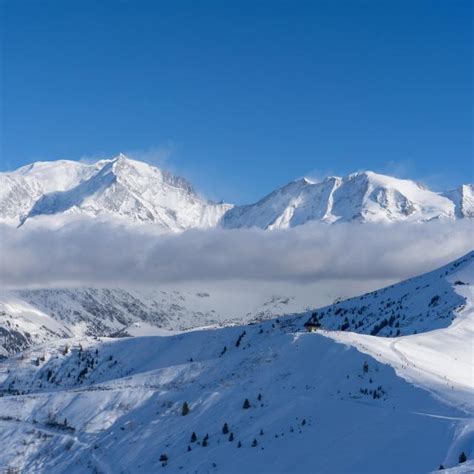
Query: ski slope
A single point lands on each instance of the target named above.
(441, 360)
(330, 401)
(314, 410)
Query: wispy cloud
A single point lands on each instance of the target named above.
(156, 155)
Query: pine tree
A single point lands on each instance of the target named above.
(303, 422)
(231, 437)
(189, 448)
(185, 409)
(462, 457)
(225, 429)
(254, 443)
(246, 404)
(365, 367)
(164, 458)
(193, 437)
(441, 467)
(239, 444)
(259, 398)
(261, 432)
(204, 441)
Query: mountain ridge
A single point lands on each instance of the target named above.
(136, 192)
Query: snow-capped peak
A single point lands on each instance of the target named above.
(120, 188)
(363, 196)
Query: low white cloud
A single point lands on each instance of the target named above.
(103, 254)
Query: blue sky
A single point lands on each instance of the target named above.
(241, 97)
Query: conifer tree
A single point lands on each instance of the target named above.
(185, 409)
(225, 428)
(246, 404)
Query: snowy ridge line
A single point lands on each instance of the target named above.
(420, 304)
(135, 192)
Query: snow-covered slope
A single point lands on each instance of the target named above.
(420, 304)
(463, 198)
(21, 189)
(361, 197)
(314, 405)
(23, 325)
(53, 193)
(118, 188)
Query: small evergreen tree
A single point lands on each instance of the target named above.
(239, 444)
(462, 457)
(246, 404)
(204, 441)
(231, 437)
(189, 448)
(365, 367)
(164, 458)
(261, 432)
(225, 428)
(303, 422)
(254, 443)
(193, 437)
(185, 409)
(259, 398)
(441, 467)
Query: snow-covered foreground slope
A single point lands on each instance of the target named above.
(441, 360)
(116, 406)
(423, 303)
(315, 405)
(53, 194)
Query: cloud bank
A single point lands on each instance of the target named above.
(90, 253)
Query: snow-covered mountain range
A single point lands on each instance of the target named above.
(359, 197)
(266, 397)
(31, 317)
(134, 192)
